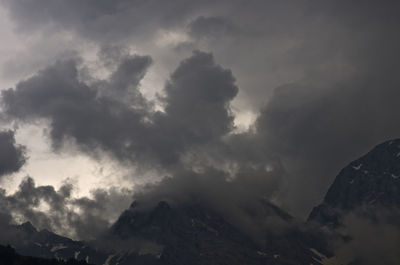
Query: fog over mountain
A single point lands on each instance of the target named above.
(225, 104)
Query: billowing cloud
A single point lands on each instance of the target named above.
(197, 109)
(60, 211)
(114, 116)
(92, 116)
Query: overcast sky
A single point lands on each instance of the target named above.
(274, 96)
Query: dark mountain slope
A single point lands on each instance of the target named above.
(179, 234)
(28, 241)
(195, 234)
(369, 184)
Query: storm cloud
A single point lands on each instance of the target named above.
(112, 115)
(369, 240)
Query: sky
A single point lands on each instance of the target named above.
(101, 100)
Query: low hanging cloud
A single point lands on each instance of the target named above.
(12, 155)
(60, 211)
(368, 240)
(243, 201)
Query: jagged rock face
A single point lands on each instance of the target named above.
(173, 235)
(370, 182)
(28, 241)
(188, 234)
(194, 234)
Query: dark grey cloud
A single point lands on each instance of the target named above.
(101, 20)
(89, 115)
(59, 211)
(25, 63)
(278, 42)
(12, 155)
(113, 116)
(124, 81)
(197, 107)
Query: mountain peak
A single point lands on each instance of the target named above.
(370, 181)
(28, 228)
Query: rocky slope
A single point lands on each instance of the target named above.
(367, 185)
(194, 234)
(28, 241)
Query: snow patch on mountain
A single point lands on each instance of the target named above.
(58, 247)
